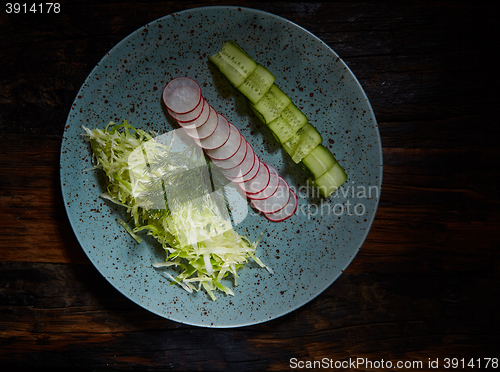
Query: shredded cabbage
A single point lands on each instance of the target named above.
(193, 227)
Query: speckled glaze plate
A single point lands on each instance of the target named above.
(306, 252)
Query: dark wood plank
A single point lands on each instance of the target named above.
(363, 315)
(35, 226)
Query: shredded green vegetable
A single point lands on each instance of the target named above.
(156, 186)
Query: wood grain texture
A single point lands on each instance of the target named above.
(426, 282)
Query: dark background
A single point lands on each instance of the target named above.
(425, 283)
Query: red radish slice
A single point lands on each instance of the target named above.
(182, 95)
(259, 182)
(243, 167)
(200, 120)
(218, 137)
(190, 116)
(205, 130)
(250, 174)
(229, 148)
(271, 187)
(237, 157)
(275, 202)
(287, 211)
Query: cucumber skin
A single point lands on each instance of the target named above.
(235, 44)
(257, 113)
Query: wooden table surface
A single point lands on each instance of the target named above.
(425, 285)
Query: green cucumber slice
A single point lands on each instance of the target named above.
(282, 129)
(331, 180)
(304, 141)
(290, 120)
(257, 84)
(234, 63)
(271, 104)
(294, 116)
(319, 160)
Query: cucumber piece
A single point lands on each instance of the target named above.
(290, 145)
(234, 63)
(257, 84)
(271, 104)
(294, 116)
(319, 160)
(282, 129)
(235, 44)
(331, 180)
(302, 143)
(290, 120)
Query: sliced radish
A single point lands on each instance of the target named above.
(272, 186)
(243, 167)
(275, 202)
(258, 183)
(200, 120)
(218, 137)
(250, 174)
(237, 157)
(205, 130)
(182, 95)
(229, 148)
(286, 211)
(184, 119)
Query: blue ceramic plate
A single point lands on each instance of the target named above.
(308, 251)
